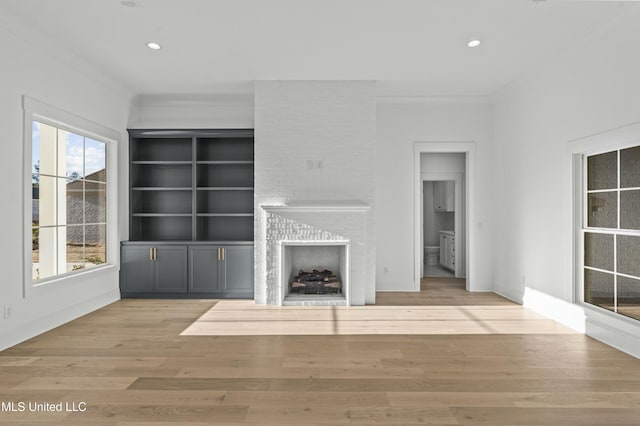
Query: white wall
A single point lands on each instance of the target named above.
(400, 124)
(435, 162)
(192, 112)
(589, 90)
(33, 66)
(297, 124)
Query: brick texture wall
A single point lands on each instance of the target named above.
(315, 140)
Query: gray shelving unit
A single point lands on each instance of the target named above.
(188, 188)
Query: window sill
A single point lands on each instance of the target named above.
(72, 278)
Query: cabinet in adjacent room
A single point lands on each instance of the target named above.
(448, 251)
(443, 196)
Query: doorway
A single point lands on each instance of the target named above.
(438, 167)
(439, 228)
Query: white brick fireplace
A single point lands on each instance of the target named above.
(316, 235)
(315, 140)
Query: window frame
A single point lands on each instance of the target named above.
(614, 140)
(35, 110)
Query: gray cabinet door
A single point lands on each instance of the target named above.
(171, 269)
(137, 269)
(238, 269)
(204, 269)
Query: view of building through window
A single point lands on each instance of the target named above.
(69, 201)
(612, 231)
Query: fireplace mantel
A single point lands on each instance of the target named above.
(319, 206)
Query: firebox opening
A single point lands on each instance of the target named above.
(314, 272)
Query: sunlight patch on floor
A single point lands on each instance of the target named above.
(245, 318)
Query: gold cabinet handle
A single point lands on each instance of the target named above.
(155, 253)
(218, 253)
(222, 253)
(150, 253)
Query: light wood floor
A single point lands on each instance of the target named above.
(130, 364)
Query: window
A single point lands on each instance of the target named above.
(611, 231)
(69, 180)
(70, 209)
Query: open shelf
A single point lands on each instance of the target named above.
(228, 228)
(161, 149)
(162, 162)
(225, 202)
(161, 202)
(225, 162)
(161, 188)
(225, 149)
(225, 188)
(151, 175)
(161, 228)
(224, 175)
(225, 214)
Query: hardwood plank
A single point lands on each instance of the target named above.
(515, 399)
(301, 372)
(170, 383)
(70, 383)
(449, 357)
(546, 415)
(166, 412)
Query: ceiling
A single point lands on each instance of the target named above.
(411, 47)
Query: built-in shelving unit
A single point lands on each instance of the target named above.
(188, 189)
(198, 183)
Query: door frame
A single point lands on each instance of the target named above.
(456, 177)
(465, 147)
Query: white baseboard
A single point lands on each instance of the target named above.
(31, 329)
(509, 296)
(619, 332)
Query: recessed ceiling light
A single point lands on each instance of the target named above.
(154, 46)
(473, 43)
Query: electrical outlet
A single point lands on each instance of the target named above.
(386, 270)
(7, 312)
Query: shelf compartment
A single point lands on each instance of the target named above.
(161, 215)
(161, 175)
(225, 162)
(225, 214)
(225, 175)
(229, 228)
(162, 162)
(161, 202)
(160, 228)
(225, 149)
(225, 188)
(225, 202)
(161, 149)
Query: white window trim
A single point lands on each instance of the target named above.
(612, 140)
(39, 111)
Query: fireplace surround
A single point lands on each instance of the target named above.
(333, 233)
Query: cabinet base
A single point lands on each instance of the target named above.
(128, 295)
